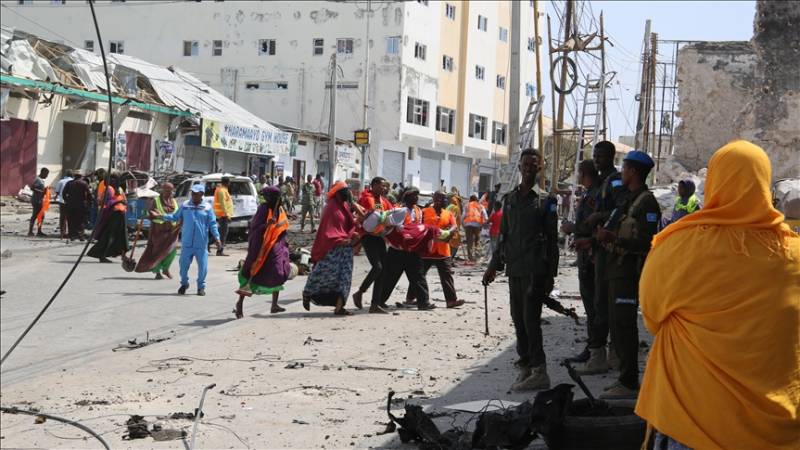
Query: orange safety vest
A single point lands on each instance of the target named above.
(474, 213)
(429, 217)
(417, 215)
(101, 192)
(225, 207)
(45, 207)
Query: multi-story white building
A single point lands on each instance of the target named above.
(439, 74)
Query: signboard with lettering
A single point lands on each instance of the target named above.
(238, 138)
(345, 155)
(361, 137)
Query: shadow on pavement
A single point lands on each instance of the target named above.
(205, 323)
(491, 380)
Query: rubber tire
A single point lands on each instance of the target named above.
(599, 433)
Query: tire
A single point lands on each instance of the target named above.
(621, 431)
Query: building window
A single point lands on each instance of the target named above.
(266, 47)
(216, 48)
(477, 126)
(483, 23)
(393, 45)
(417, 112)
(319, 47)
(501, 82)
(445, 120)
(420, 51)
(480, 72)
(447, 63)
(344, 46)
(503, 34)
(450, 11)
(88, 45)
(116, 47)
(498, 133)
(531, 44)
(343, 85)
(267, 85)
(530, 89)
(191, 48)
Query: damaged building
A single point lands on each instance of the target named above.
(748, 90)
(55, 115)
(440, 89)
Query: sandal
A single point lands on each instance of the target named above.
(276, 310)
(342, 312)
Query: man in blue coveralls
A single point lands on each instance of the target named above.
(198, 220)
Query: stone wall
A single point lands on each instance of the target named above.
(748, 90)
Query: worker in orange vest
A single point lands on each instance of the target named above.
(439, 256)
(223, 210)
(474, 218)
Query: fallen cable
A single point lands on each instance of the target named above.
(57, 419)
(157, 365)
(110, 166)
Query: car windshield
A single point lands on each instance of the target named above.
(236, 188)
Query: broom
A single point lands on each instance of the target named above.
(128, 263)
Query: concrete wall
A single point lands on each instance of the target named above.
(51, 118)
(714, 84)
(748, 90)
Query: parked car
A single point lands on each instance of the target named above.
(242, 190)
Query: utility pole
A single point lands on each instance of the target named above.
(641, 121)
(559, 123)
(539, 124)
(603, 71)
(661, 123)
(332, 122)
(365, 147)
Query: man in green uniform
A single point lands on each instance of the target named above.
(627, 236)
(590, 180)
(307, 204)
(612, 194)
(528, 246)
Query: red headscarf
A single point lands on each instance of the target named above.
(336, 226)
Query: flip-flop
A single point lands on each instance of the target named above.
(276, 311)
(343, 312)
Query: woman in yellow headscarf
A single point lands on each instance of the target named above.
(720, 292)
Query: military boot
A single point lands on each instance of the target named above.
(596, 364)
(537, 381)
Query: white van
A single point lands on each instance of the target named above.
(242, 190)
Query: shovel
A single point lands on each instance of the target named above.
(128, 263)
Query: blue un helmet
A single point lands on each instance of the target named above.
(640, 157)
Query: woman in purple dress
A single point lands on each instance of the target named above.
(266, 267)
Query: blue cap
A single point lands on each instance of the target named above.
(641, 158)
(198, 188)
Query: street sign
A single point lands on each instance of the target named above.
(362, 137)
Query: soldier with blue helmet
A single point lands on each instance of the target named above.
(626, 237)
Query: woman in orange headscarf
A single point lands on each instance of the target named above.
(720, 291)
(266, 267)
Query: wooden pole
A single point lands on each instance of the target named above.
(603, 73)
(641, 116)
(561, 99)
(540, 123)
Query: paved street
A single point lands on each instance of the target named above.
(297, 379)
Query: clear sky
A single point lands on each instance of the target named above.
(677, 20)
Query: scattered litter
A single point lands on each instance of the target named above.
(166, 434)
(388, 369)
(91, 402)
(182, 415)
(461, 356)
(40, 419)
(409, 371)
(204, 374)
(309, 341)
(5, 254)
(299, 422)
(295, 365)
(483, 405)
(133, 344)
(137, 428)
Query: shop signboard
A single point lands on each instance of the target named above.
(238, 138)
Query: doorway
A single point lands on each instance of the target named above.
(75, 140)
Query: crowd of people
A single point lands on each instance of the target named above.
(717, 284)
